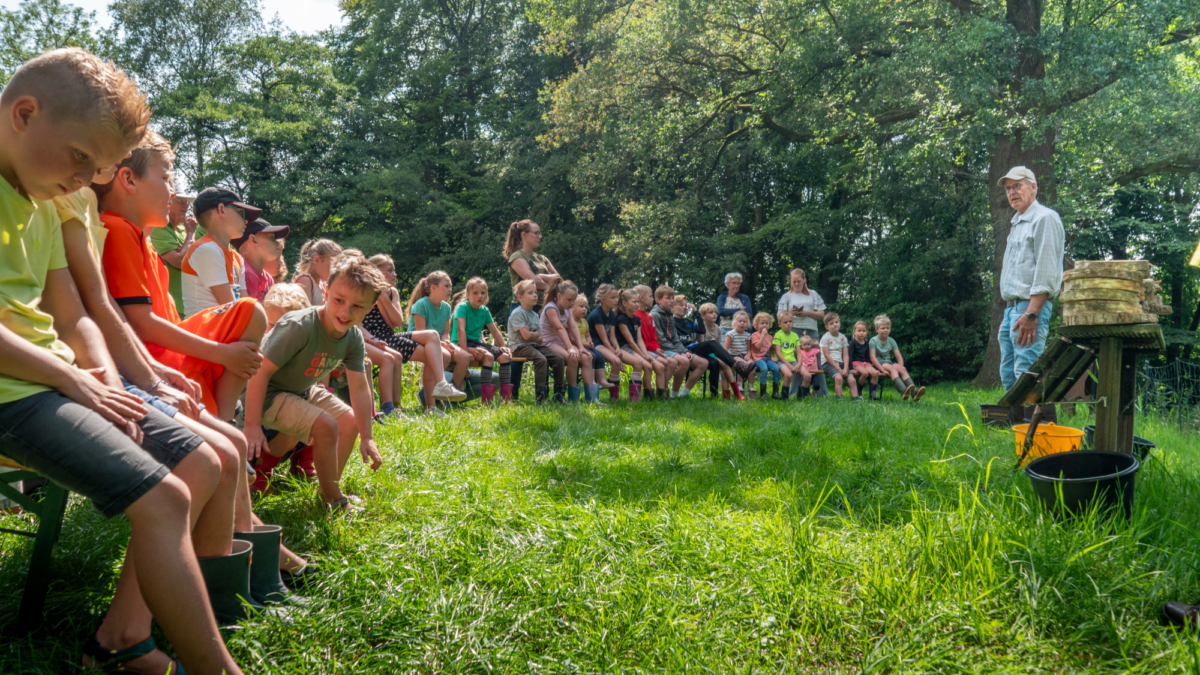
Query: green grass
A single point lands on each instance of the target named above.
(699, 536)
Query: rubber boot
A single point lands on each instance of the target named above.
(775, 390)
(737, 391)
(266, 586)
(635, 391)
(785, 392)
(486, 393)
(227, 578)
(872, 391)
(506, 393)
(302, 463)
(762, 391)
(725, 395)
(262, 471)
(661, 394)
(899, 384)
(614, 394)
(913, 392)
(543, 392)
(573, 393)
(558, 394)
(591, 393)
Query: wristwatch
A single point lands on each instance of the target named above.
(1031, 316)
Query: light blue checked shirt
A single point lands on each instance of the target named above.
(1033, 259)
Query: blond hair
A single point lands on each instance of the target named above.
(784, 315)
(326, 248)
(581, 300)
(461, 296)
(680, 299)
(74, 85)
(742, 313)
(281, 270)
(643, 289)
(381, 259)
(359, 274)
(138, 162)
(882, 319)
(421, 290)
(707, 307)
(288, 297)
(803, 279)
(805, 340)
(523, 287)
(603, 291)
(559, 287)
(623, 298)
(830, 317)
(763, 316)
(860, 323)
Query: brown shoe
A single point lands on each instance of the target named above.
(908, 392)
(920, 392)
(1179, 614)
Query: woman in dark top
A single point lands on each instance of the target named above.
(731, 302)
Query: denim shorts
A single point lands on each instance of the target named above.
(670, 354)
(598, 359)
(164, 408)
(85, 453)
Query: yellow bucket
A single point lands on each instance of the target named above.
(1049, 439)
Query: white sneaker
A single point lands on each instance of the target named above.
(683, 392)
(445, 391)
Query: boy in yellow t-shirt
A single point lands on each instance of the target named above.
(64, 410)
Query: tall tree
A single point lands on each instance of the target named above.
(38, 25)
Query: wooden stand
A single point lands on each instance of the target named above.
(1117, 349)
(1067, 359)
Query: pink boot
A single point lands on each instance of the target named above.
(486, 393)
(635, 391)
(505, 392)
(615, 393)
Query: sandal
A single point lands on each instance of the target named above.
(110, 661)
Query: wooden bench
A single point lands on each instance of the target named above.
(50, 511)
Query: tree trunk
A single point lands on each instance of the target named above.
(1011, 150)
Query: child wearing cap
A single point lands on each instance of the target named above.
(63, 408)
(261, 244)
(218, 347)
(213, 272)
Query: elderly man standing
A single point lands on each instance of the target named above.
(1031, 276)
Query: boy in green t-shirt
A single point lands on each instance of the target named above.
(303, 348)
(885, 355)
(785, 344)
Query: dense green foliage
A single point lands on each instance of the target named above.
(696, 536)
(677, 140)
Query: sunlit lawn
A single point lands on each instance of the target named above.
(702, 536)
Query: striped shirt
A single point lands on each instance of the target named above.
(1033, 259)
(738, 342)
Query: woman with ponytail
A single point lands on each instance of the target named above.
(524, 264)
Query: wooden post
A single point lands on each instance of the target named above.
(1108, 394)
(1128, 393)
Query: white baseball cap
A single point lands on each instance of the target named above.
(1018, 173)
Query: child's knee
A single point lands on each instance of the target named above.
(167, 502)
(488, 361)
(325, 429)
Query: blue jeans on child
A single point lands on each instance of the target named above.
(763, 366)
(1015, 359)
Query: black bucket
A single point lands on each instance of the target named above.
(1141, 446)
(1084, 477)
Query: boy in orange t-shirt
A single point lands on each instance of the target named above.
(217, 347)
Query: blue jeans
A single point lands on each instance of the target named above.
(1015, 359)
(763, 366)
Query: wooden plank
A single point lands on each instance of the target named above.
(1108, 394)
(1103, 319)
(1024, 390)
(1079, 359)
(1078, 307)
(1077, 273)
(1080, 292)
(1138, 266)
(1130, 285)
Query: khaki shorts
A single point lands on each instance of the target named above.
(295, 416)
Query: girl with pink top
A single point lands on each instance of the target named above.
(562, 335)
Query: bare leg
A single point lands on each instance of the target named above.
(572, 365)
(430, 374)
(228, 387)
(700, 367)
(387, 366)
